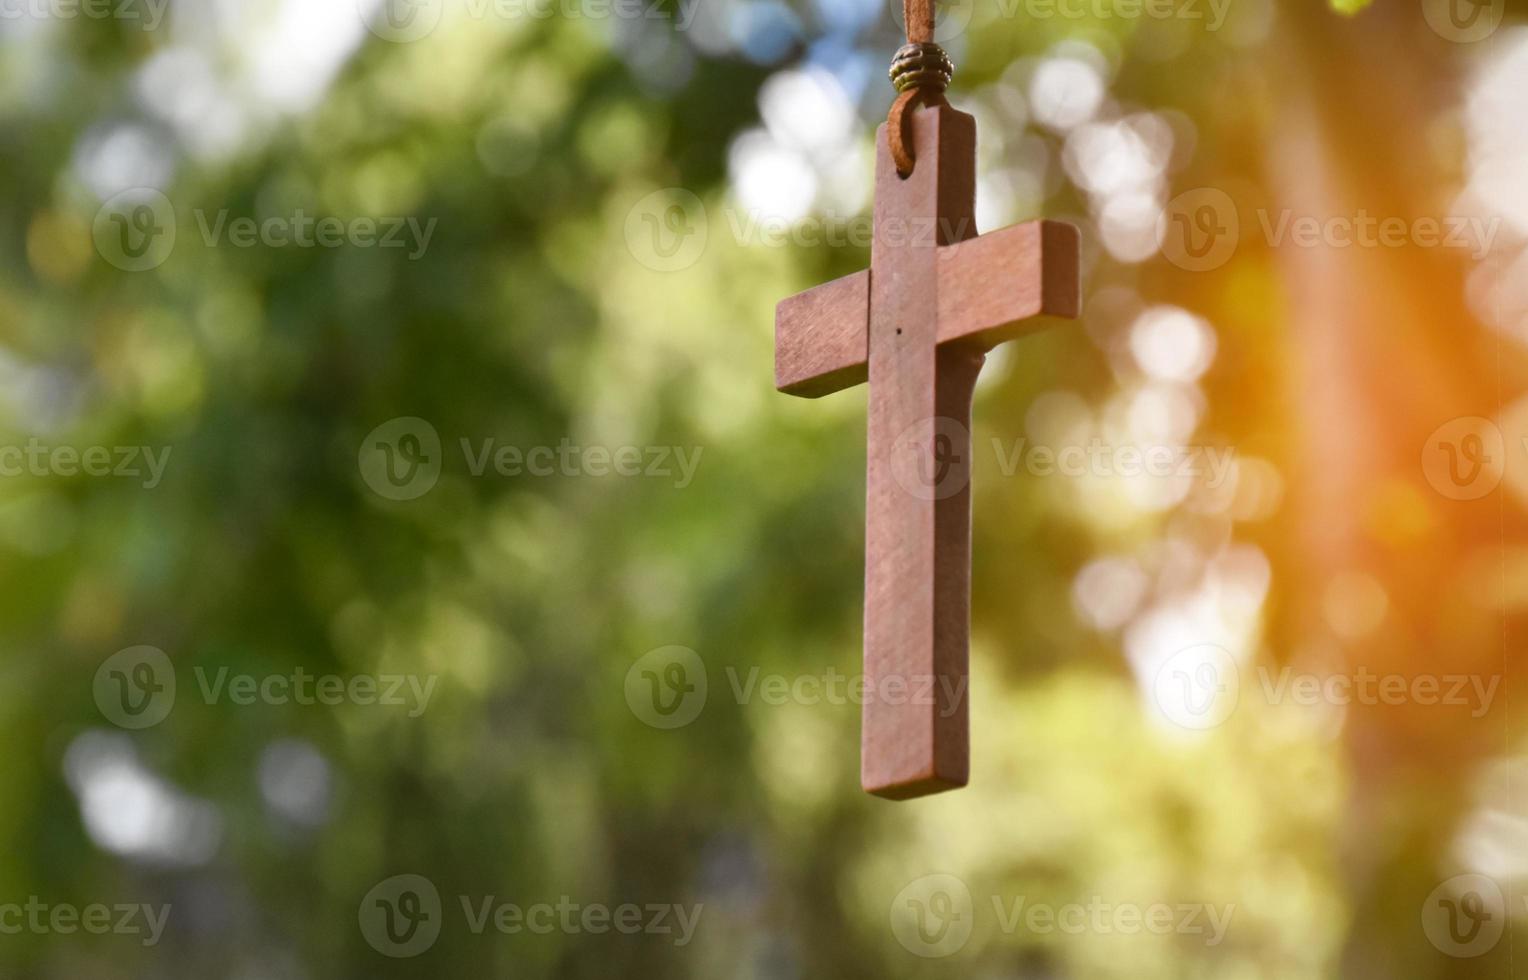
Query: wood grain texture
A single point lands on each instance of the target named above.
(822, 338)
(915, 734)
(990, 290)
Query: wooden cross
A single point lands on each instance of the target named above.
(917, 326)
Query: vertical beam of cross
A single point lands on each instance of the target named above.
(918, 504)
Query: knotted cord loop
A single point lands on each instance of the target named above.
(921, 71)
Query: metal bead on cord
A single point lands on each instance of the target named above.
(921, 66)
(921, 72)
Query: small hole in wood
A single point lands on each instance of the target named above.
(899, 331)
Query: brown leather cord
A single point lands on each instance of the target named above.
(899, 126)
(919, 15)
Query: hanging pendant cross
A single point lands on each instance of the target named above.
(917, 326)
